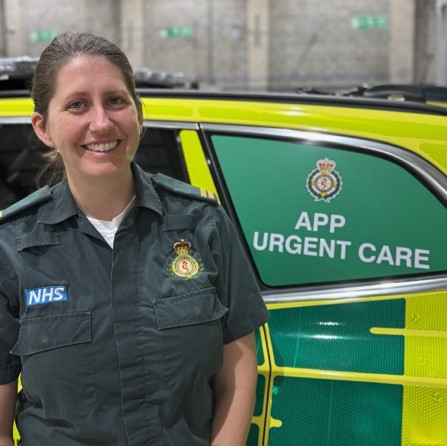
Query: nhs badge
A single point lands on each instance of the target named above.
(45, 295)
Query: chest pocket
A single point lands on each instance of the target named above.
(57, 369)
(190, 328)
(37, 240)
(188, 309)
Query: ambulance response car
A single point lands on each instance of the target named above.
(340, 203)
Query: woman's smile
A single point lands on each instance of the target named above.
(101, 147)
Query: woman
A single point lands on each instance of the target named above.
(126, 302)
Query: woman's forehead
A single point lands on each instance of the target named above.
(88, 72)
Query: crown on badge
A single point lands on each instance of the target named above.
(182, 247)
(326, 166)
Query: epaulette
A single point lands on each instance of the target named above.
(36, 197)
(181, 188)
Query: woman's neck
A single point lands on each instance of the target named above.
(102, 199)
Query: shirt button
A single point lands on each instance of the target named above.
(44, 339)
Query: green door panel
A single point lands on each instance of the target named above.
(314, 214)
(338, 337)
(335, 413)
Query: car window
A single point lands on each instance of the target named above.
(160, 152)
(315, 212)
(22, 155)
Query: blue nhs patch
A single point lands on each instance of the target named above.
(45, 295)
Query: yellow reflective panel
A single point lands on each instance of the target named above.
(16, 436)
(425, 134)
(16, 107)
(425, 407)
(256, 436)
(196, 163)
(355, 400)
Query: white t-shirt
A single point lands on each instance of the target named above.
(108, 228)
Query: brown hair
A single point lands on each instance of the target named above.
(57, 54)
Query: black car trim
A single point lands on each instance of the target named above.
(297, 98)
(370, 289)
(428, 173)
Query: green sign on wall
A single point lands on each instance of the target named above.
(43, 35)
(172, 32)
(369, 22)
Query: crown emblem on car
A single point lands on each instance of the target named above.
(325, 166)
(324, 183)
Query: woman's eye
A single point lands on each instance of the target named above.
(115, 101)
(76, 105)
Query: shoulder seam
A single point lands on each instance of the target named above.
(185, 189)
(37, 197)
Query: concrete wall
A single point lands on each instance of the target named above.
(312, 43)
(401, 44)
(27, 21)
(239, 44)
(216, 49)
(425, 42)
(258, 44)
(2, 28)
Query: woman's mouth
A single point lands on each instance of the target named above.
(106, 147)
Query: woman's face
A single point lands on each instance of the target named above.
(92, 120)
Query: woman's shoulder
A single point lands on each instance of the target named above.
(174, 186)
(26, 204)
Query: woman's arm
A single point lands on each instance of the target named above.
(8, 396)
(235, 393)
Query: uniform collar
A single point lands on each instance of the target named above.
(63, 206)
(146, 195)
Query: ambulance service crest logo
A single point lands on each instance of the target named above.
(184, 262)
(324, 183)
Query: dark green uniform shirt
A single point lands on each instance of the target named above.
(120, 347)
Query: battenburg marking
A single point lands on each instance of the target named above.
(184, 262)
(44, 295)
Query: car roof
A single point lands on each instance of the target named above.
(298, 98)
(16, 75)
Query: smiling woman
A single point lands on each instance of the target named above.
(89, 115)
(115, 280)
(95, 127)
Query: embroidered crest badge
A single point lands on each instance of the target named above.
(324, 183)
(184, 262)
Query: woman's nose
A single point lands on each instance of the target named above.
(100, 121)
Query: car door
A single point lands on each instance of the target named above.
(347, 237)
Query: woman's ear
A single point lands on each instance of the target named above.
(140, 115)
(38, 122)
